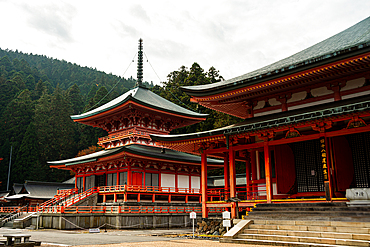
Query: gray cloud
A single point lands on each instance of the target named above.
(126, 30)
(55, 20)
(139, 12)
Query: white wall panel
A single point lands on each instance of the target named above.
(168, 180)
(183, 181)
(195, 182)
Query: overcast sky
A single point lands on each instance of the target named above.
(234, 36)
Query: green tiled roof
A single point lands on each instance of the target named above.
(354, 40)
(147, 151)
(145, 97)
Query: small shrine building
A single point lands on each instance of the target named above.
(306, 129)
(132, 167)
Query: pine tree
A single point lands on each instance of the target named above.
(27, 165)
(75, 98)
(55, 130)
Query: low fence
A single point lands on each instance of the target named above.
(251, 192)
(155, 189)
(110, 209)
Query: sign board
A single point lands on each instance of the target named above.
(226, 215)
(324, 158)
(94, 230)
(193, 215)
(226, 223)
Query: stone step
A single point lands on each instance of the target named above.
(317, 234)
(316, 204)
(312, 223)
(282, 243)
(289, 216)
(316, 240)
(312, 212)
(356, 230)
(326, 209)
(8, 224)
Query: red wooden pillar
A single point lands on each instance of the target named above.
(83, 183)
(204, 185)
(176, 180)
(248, 175)
(226, 175)
(129, 175)
(232, 182)
(254, 173)
(268, 172)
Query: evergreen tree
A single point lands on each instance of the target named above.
(75, 98)
(16, 117)
(4, 164)
(30, 82)
(55, 130)
(27, 164)
(6, 63)
(89, 134)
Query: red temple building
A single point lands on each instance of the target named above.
(132, 167)
(306, 129)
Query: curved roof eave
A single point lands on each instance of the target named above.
(136, 149)
(86, 158)
(146, 98)
(353, 40)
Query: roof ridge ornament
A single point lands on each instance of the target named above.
(139, 82)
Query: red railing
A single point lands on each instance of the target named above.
(126, 210)
(61, 195)
(154, 189)
(250, 192)
(122, 134)
(81, 196)
(112, 209)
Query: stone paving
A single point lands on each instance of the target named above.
(115, 238)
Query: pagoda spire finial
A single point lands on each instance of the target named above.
(140, 64)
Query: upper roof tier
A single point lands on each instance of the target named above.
(145, 97)
(352, 41)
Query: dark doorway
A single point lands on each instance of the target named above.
(308, 166)
(360, 147)
(100, 180)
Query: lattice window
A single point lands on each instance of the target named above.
(308, 166)
(360, 146)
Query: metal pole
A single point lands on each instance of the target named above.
(193, 227)
(37, 219)
(10, 163)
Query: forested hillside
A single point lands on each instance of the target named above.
(38, 95)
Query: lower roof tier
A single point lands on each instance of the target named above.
(136, 150)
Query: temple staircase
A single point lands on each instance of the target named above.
(303, 224)
(67, 200)
(57, 199)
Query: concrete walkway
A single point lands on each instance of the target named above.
(117, 238)
(83, 237)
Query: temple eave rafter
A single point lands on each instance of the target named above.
(334, 75)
